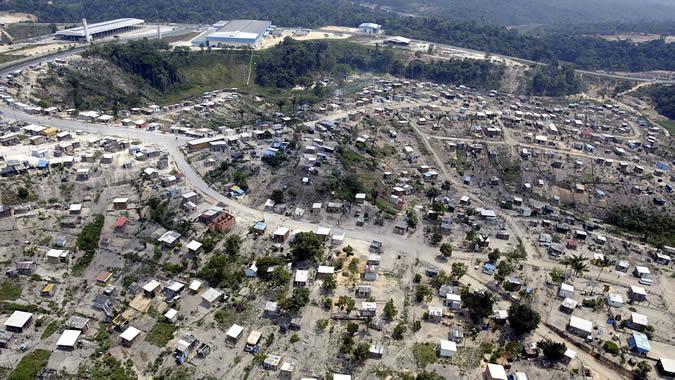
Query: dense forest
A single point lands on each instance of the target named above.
(292, 63)
(554, 80)
(519, 12)
(656, 227)
(663, 97)
(585, 52)
(312, 13)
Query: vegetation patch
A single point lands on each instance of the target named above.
(160, 334)
(87, 241)
(425, 354)
(30, 365)
(655, 227)
(51, 328)
(10, 291)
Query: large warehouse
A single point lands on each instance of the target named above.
(237, 33)
(99, 29)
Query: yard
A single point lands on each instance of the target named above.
(30, 365)
(9, 291)
(161, 333)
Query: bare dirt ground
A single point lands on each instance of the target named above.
(12, 17)
(313, 35)
(636, 37)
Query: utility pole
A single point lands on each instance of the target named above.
(250, 68)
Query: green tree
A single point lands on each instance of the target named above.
(345, 303)
(578, 265)
(307, 246)
(494, 255)
(329, 284)
(641, 370)
(446, 186)
(431, 193)
(280, 276)
(22, 193)
(446, 250)
(298, 299)
(523, 319)
(553, 351)
(399, 330)
(361, 352)
(411, 219)
(436, 237)
(390, 310)
(277, 196)
(423, 293)
(479, 304)
(458, 270)
(352, 328)
(232, 245)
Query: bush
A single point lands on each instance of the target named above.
(611, 347)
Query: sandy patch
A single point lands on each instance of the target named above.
(339, 29)
(13, 18)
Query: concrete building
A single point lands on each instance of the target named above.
(129, 335)
(68, 340)
(580, 327)
(236, 33)
(18, 321)
(98, 30)
(447, 348)
(370, 28)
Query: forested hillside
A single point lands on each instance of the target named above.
(293, 63)
(554, 80)
(585, 52)
(663, 97)
(516, 12)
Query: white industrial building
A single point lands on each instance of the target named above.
(236, 33)
(103, 29)
(370, 28)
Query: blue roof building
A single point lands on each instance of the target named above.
(43, 164)
(639, 343)
(489, 268)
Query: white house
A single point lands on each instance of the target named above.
(453, 301)
(301, 277)
(580, 327)
(495, 372)
(614, 300)
(129, 335)
(171, 315)
(68, 339)
(211, 296)
(566, 291)
(447, 348)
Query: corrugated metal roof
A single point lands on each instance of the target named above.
(100, 27)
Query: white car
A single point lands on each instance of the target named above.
(646, 281)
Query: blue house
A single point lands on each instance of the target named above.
(639, 343)
(43, 164)
(467, 180)
(489, 268)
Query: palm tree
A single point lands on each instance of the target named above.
(578, 264)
